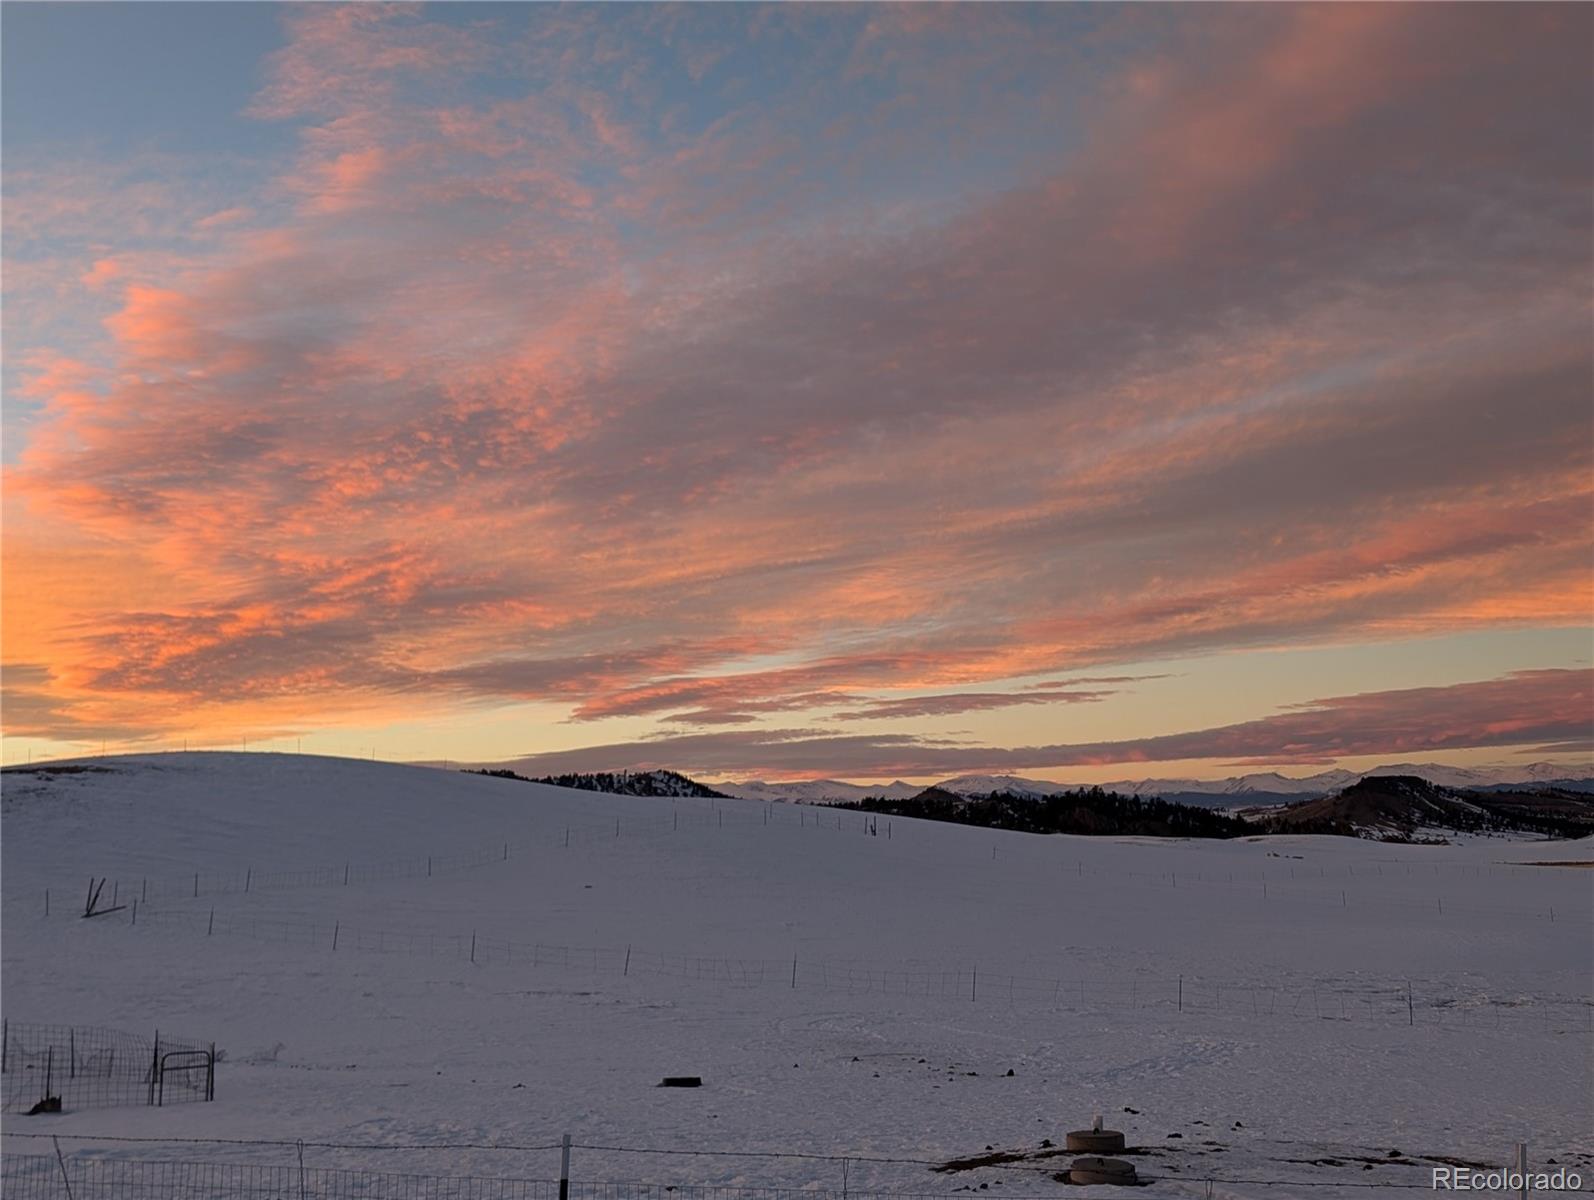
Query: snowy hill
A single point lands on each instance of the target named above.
(627, 783)
(1403, 807)
(398, 955)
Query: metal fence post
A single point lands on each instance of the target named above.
(564, 1168)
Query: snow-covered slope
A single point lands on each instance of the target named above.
(511, 961)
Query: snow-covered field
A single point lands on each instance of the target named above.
(1238, 1008)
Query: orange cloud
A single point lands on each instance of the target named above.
(555, 398)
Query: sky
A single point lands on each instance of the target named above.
(1078, 391)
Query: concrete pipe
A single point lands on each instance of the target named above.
(1101, 1170)
(1095, 1141)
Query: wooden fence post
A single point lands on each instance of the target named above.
(65, 1178)
(564, 1168)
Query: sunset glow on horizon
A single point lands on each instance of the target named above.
(864, 392)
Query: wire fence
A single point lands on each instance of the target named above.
(89, 1177)
(59, 1068)
(1290, 881)
(1385, 1002)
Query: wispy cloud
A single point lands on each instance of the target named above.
(1525, 708)
(647, 390)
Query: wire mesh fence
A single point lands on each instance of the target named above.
(73, 1177)
(1385, 1002)
(51, 1068)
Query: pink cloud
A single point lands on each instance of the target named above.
(549, 398)
(1528, 707)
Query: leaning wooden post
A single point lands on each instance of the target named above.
(65, 1178)
(564, 1168)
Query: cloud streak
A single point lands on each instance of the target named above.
(1524, 708)
(683, 386)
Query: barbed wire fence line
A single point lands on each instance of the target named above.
(1389, 1002)
(67, 1067)
(1289, 882)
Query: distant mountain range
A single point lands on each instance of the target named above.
(1267, 787)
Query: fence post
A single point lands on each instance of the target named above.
(46, 901)
(71, 1041)
(301, 1168)
(210, 1075)
(974, 984)
(210, 926)
(1522, 1169)
(335, 926)
(196, 885)
(473, 945)
(49, 1069)
(144, 891)
(1181, 993)
(564, 1168)
(135, 910)
(65, 1178)
(1411, 1012)
(627, 970)
(5, 1041)
(249, 874)
(154, 1066)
